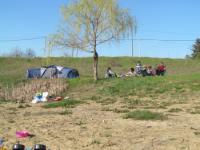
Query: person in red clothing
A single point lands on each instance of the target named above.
(161, 69)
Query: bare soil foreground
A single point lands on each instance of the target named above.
(91, 126)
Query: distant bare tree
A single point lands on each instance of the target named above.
(30, 53)
(65, 54)
(74, 53)
(16, 52)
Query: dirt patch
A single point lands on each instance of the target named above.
(88, 127)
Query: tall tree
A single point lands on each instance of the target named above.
(89, 23)
(196, 49)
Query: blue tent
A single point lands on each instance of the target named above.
(33, 73)
(52, 72)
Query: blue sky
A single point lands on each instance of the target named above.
(156, 19)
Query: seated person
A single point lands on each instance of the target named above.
(144, 71)
(138, 68)
(161, 69)
(109, 73)
(131, 73)
(150, 71)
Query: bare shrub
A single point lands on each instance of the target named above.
(24, 92)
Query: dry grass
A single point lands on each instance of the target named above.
(24, 92)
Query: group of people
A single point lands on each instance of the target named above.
(139, 70)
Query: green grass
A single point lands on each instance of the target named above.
(13, 70)
(65, 103)
(181, 78)
(145, 115)
(152, 86)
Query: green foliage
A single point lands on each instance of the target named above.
(87, 24)
(65, 103)
(196, 49)
(145, 115)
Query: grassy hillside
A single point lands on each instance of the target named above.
(97, 115)
(12, 70)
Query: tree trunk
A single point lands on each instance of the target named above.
(95, 64)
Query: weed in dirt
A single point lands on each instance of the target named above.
(13, 109)
(145, 115)
(197, 133)
(95, 98)
(27, 105)
(95, 141)
(196, 111)
(116, 110)
(11, 121)
(26, 114)
(149, 107)
(79, 123)
(162, 107)
(120, 110)
(197, 107)
(108, 135)
(146, 104)
(65, 104)
(165, 104)
(103, 101)
(107, 101)
(175, 110)
(133, 103)
(106, 109)
(83, 127)
(21, 106)
(66, 112)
